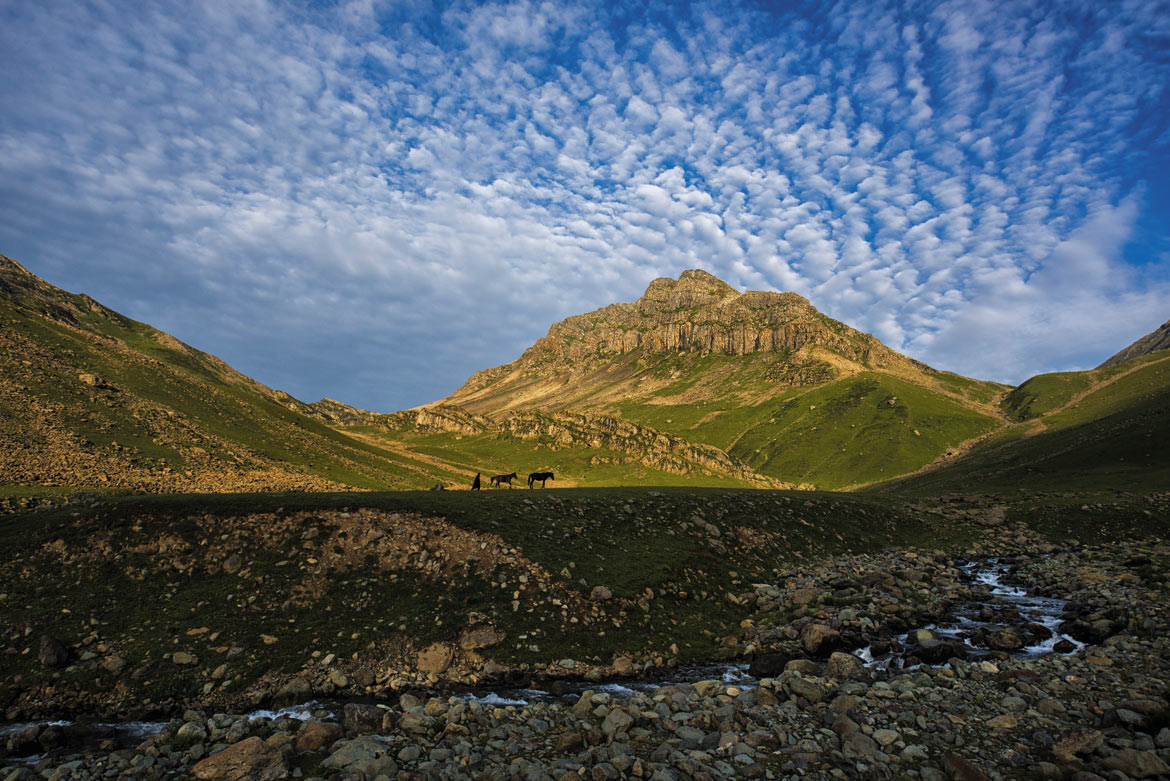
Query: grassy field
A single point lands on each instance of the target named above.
(372, 576)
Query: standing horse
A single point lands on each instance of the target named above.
(501, 479)
(541, 476)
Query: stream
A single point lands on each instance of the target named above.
(1034, 619)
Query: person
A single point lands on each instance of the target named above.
(475, 485)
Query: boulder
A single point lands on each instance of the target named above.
(1006, 639)
(317, 734)
(846, 667)
(1073, 741)
(361, 718)
(1137, 764)
(616, 721)
(295, 691)
(963, 769)
(768, 665)
(478, 637)
(249, 760)
(52, 652)
(368, 757)
(820, 640)
(435, 658)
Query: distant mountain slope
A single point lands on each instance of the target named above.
(89, 397)
(1151, 342)
(788, 392)
(1107, 428)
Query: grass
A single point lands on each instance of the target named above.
(191, 400)
(1115, 438)
(72, 572)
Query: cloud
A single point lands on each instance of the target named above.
(373, 200)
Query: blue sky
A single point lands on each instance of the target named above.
(372, 200)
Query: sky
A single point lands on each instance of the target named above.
(372, 200)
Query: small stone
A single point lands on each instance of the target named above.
(184, 658)
(885, 737)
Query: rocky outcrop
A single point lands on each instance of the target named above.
(338, 414)
(695, 313)
(647, 446)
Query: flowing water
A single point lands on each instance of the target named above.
(969, 621)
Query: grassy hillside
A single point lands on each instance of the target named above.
(90, 398)
(854, 430)
(1100, 429)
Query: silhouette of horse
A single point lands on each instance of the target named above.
(501, 479)
(541, 476)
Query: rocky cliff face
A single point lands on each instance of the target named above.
(695, 313)
(1151, 342)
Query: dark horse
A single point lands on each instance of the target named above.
(541, 476)
(501, 479)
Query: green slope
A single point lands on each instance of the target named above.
(1095, 430)
(854, 430)
(89, 397)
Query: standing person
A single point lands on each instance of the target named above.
(475, 485)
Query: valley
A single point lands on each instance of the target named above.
(740, 483)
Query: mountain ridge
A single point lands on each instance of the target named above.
(1158, 339)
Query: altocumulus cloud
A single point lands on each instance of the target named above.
(372, 200)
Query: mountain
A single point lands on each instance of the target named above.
(91, 398)
(773, 392)
(1151, 342)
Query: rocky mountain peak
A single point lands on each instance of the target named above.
(694, 287)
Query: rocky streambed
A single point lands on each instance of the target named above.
(1057, 664)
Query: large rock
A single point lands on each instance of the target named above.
(963, 769)
(846, 667)
(1073, 741)
(296, 691)
(810, 690)
(362, 718)
(317, 734)
(938, 651)
(820, 640)
(52, 652)
(1137, 764)
(368, 756)
(435, 658)
(616, 721)
(768, 665)
(478, 637)
(248, 760)
(1006, 639)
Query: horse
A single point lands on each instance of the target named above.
(541, 476)
(501, 479)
